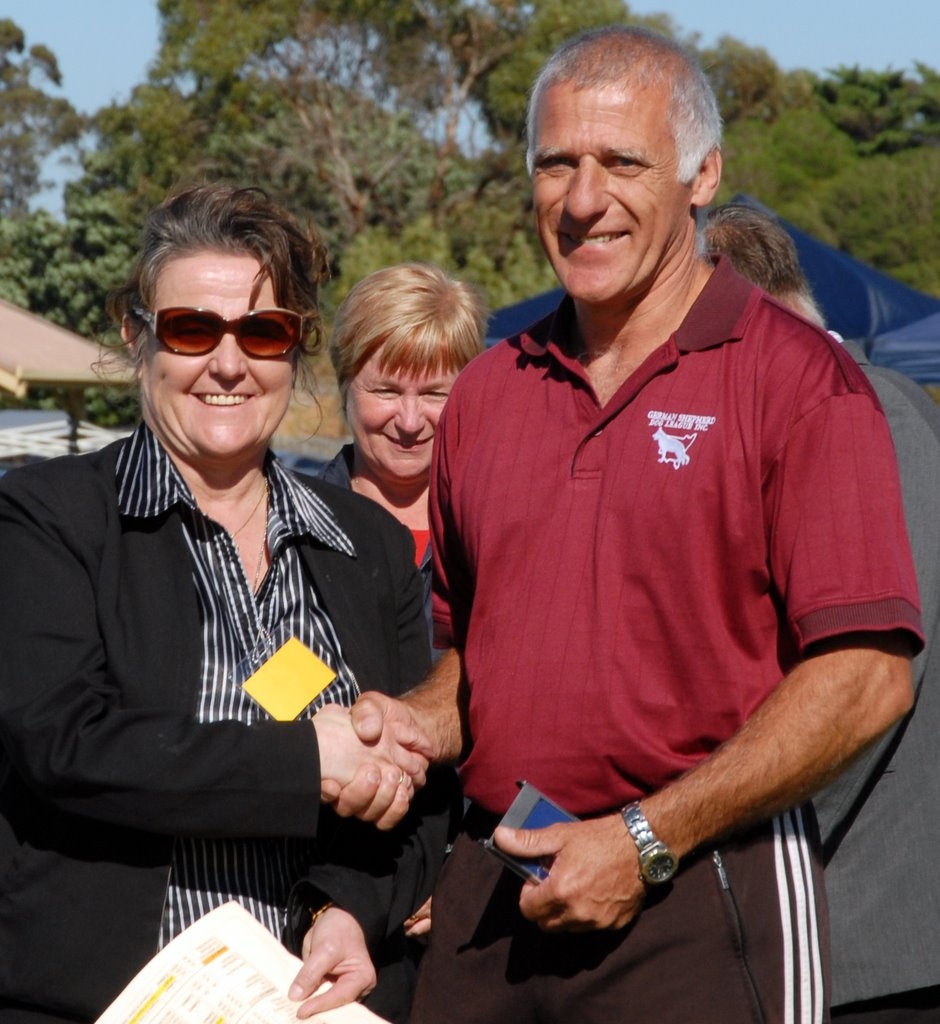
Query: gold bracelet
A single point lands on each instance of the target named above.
(315, 915)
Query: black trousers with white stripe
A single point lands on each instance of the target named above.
(738, 936)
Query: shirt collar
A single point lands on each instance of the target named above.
(149, 484)
(303, 512)
(716, 316)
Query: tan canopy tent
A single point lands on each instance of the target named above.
(35, 353)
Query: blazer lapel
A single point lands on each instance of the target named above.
(352, 606)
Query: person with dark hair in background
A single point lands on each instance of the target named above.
(880, 820)
(182, 622)
(646, 538)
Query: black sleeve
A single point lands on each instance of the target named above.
(383, 877)
(111, 736)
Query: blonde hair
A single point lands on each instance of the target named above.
(423, 321)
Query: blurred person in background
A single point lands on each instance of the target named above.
(399, 339)
(880, 820)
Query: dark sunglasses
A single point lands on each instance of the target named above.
(260, 333)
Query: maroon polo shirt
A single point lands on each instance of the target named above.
(630, 582)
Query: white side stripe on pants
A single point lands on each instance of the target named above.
(796, 891)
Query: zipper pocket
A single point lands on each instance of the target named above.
(737, 935)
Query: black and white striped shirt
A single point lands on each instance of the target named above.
(258, 873)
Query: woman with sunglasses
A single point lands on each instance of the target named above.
(181, 622)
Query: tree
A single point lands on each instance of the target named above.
(396, 124)
(749, 85)
(886, 210)
(784, 162)
(879, 110)
(56, 270)
(398, 128)
(33, 124)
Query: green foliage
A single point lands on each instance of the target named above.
(397, 127)
(29, 246)
(33, 124)
(886, 211)
(747, 82)
(783, 162)
(882, 111)
(536, 31)
(857, 168)
(63, 271)
(927, 120)
(377, 247)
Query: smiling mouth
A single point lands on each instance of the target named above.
(594, 239)
(410, 445)
(223, 399)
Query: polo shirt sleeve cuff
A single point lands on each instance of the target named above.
(870, 616)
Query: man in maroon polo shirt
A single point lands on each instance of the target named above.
(673, 573)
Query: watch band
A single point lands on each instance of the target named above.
(637, 825)
(657, 862)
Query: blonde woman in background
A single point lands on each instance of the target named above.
(400, 338)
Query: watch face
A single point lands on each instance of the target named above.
(658, 864)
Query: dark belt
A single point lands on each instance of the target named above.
(478, 823)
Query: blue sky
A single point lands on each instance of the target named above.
(817, 34)
(104, 46)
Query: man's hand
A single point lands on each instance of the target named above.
(377, 717)
(407, 733)
(373, 780)
(334, 950)
(594, 879)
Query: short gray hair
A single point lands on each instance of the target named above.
(631, 56)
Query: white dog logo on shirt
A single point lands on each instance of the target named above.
(674, 449)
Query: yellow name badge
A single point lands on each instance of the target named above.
(289, 680)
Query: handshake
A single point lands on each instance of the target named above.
(373, 757)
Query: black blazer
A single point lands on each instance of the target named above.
(103, 762)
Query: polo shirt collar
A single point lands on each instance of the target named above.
(716, 316)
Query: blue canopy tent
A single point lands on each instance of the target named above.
(858, 301)
(511, 319)
(914, 350)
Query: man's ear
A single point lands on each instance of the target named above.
(706, 182)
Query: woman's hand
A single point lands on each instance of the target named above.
(334, 950)
(419, 924)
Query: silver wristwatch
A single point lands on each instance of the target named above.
(657, 862)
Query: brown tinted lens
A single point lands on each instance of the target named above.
(263, 333)
(268, 332)
(190, 332)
